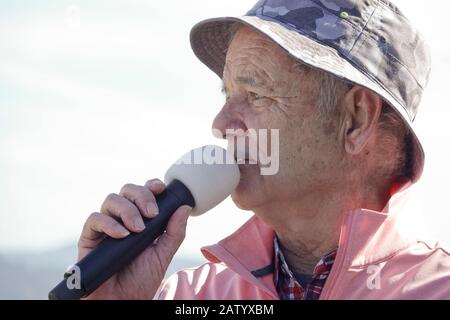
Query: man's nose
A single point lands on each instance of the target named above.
(230, 117)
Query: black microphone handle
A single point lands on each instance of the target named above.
(111, 255)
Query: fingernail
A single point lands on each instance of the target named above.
(125, 233)
(139, 224)
(188, 209)
(152, 209)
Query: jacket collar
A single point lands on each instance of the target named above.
(371, 237)
(367, 237)
(247, 251)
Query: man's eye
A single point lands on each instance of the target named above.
(256, 96)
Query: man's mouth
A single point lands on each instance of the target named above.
(241, 160)
(245, 162)
(242, 154)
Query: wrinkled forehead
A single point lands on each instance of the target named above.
(252, 52)
(247, 41)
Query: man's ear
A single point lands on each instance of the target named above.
(362, 109)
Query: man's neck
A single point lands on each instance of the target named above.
(308, 229)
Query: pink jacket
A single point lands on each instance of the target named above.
(377, 259)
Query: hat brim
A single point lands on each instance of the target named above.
(210, 40)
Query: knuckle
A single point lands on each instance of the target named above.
(111, 197)
(93, 217)
(138, 195)
(109, 201)
(126, 187)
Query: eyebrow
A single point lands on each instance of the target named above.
(249, 80)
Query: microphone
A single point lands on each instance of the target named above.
(202, 179)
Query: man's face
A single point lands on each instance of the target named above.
(267, 89)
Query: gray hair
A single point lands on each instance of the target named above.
(394, 130)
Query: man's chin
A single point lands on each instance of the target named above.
(240, 201)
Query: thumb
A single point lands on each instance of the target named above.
(176, 230)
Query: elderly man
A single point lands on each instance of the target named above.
(341, 80)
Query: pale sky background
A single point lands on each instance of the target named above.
(89, 104)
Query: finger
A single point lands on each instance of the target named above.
(99, 224)
(94, 230)
(120, 207)
(176, 230)
(155, 185)
(142, 197)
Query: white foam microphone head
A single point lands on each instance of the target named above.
(209, 172)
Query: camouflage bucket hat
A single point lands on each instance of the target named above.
(368, 43)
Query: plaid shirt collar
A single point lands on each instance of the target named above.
(289, 288)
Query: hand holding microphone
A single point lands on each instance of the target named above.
(121, 216)
(118, 255)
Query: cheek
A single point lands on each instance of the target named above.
(303, 139)
(306, 145)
